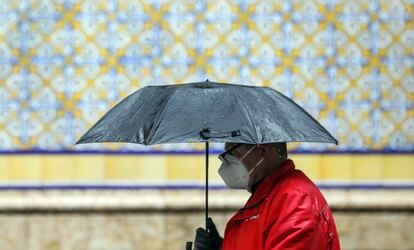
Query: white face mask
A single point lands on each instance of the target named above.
(234, 172)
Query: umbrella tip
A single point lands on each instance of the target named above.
(207, 80)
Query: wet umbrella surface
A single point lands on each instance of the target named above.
(207, 111)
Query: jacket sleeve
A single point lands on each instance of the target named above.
(294, 223)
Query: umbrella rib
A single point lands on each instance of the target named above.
(139, 109)
(311, 117)
(152, 131)
(83, 138)
(249, 115)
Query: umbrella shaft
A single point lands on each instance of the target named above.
(207, 151)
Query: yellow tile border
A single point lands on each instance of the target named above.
(67, 168)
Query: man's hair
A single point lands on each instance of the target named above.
(280, 147)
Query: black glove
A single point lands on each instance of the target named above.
(208, 239)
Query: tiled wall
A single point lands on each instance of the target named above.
(63, 64)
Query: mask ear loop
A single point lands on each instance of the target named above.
(251, 171)
(257, 164)
(248, 152)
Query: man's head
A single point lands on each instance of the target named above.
(262, 158)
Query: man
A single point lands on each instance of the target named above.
(285, 211)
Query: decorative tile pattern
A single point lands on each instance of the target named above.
(63, 63)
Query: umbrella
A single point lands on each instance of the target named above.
(207, 112)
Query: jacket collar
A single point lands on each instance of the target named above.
(266, 185)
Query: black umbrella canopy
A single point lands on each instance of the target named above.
(207, 111)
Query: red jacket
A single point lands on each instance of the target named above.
(287, 211)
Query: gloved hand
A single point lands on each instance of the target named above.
(208, 239)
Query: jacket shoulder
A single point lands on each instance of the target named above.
(296, 180)
(294, 185)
